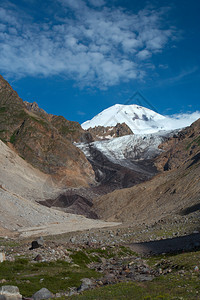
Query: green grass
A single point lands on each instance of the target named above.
(55, 276)
(80, 258)
(65, 130)
(107, 253)
(174, 285)
(181, 283)
(8, 243)
(40, 121)
(112, 252)
(127, 251)
(171, 286)
(195, 141)
(3, 140)
(13, 138)
(120, 291)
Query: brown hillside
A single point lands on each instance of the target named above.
(170, 192)
(37, 137)
(179, 149)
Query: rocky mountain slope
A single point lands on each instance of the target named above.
(99, 133)
(181, 148)
(21, 187)
(43, 140)
(175, 191)
(20, 178)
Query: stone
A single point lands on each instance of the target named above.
(42, 294)
(10, 292)
(72, 240)
(196, 269)
(73, 291)
(40, 241)
(85, 285)
(3, 280)
(37, 243)
(144, 277)
(38, 258)
(2, 256)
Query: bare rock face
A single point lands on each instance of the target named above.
(9, 292)
(70, 130)
(33, 107)
(43, 140)
(99, 133)
(180, 148)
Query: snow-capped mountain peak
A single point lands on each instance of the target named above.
(138, 118)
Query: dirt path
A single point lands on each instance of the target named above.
(73, 224)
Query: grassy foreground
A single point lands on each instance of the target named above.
(181, 281)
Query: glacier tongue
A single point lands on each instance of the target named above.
(128, 150)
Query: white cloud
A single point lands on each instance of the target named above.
(162, 66)
(144, 54)
(180, 120)
(81, 113)
(89, 43)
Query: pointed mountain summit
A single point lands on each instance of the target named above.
(139, 119)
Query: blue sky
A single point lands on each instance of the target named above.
(78, 57)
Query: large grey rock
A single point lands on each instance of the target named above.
(40, 241)
(10, 292)
(42, 294)
(73, 291)
(85, 285)
(2, 257)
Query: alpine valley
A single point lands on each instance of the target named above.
(126, 181)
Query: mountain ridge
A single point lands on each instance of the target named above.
(139, 119)
(43, 140)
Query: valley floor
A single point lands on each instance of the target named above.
(112, 259)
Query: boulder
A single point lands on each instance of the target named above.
(37, 243)
(10, 292)
(85, 285)
(73, 291)
(2, 257)
(42, 294)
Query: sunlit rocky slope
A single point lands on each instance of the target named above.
(175, 190)
(43, 140)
